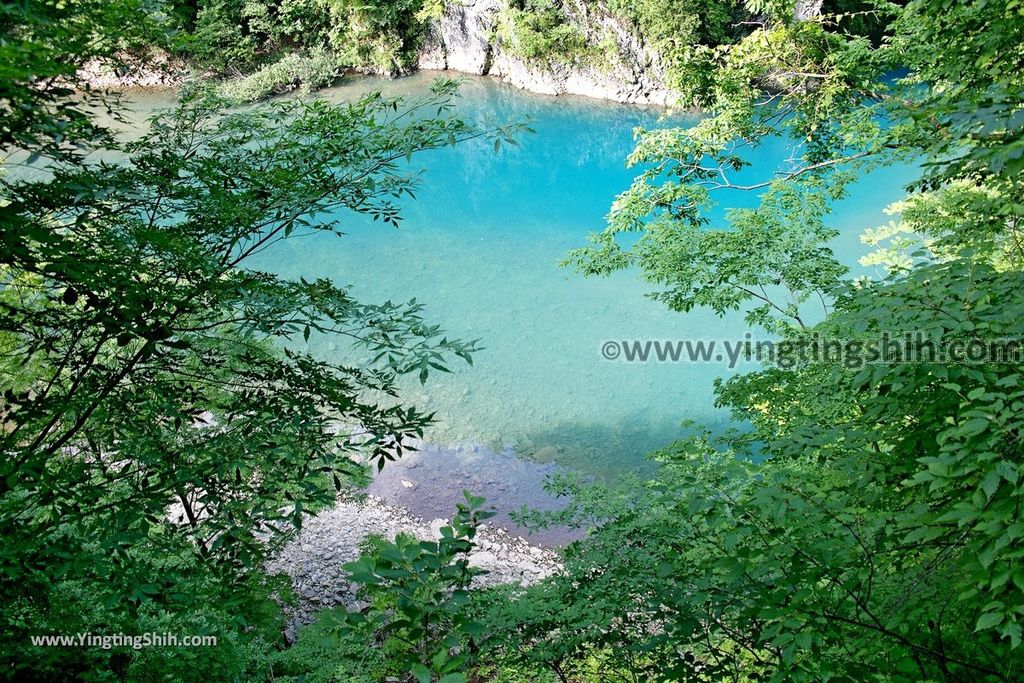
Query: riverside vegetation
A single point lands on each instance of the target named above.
(264, 47)
(859, 524)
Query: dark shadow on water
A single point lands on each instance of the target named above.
(430, 481)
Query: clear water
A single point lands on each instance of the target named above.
(481, 246)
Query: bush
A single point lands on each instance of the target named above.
(222, 39)
(683, 33)
(539, 30)
(417, 620)
(324, 654)
(238, 36)
(193, 600)
(293, 71)
(383, 34)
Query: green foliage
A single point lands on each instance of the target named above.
(162, 424)
(383, 34)
(237, 36)
(240, 613)
(686, 22)
(539, 30)
(291, 72)
(42, 47)
(221, 38)
(684, 33)
(323, 653)
(147, 281)
(567, 628)
(780, 246)
(809, 567)
(417, 616)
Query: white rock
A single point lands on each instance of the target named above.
(483, 559)
(433, 54)
(463, 34)
(435, 527)
(463, 39)
(313, 558)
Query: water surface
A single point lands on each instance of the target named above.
(481, 246)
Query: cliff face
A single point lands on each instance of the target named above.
(466, 39)
(807, 9)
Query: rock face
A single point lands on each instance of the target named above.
(807, 9)
(465, 39)
(461, 39)
(313, 558)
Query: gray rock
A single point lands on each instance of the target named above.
(313, 558)
(433, 54)
(464, 39)
(483, 559)
(461, 39)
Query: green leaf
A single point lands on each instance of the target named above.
(988, 620)
(421, 673)
(454, 678)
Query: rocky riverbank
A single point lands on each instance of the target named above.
(314, 557)
(157, 70)
(465, 39)
(616, 62)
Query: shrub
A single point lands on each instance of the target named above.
(237, 36)
(324, 654)
(383, 34)
(293, 71)
(196, 600)
(417, 617)
(223, 39)
(539, 30)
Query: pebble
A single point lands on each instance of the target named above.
(313, 559)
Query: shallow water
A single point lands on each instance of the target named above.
(481, 245)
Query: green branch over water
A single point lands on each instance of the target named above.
(160, 438)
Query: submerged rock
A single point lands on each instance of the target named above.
(545, 454)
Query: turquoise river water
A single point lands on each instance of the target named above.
(480, 246)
